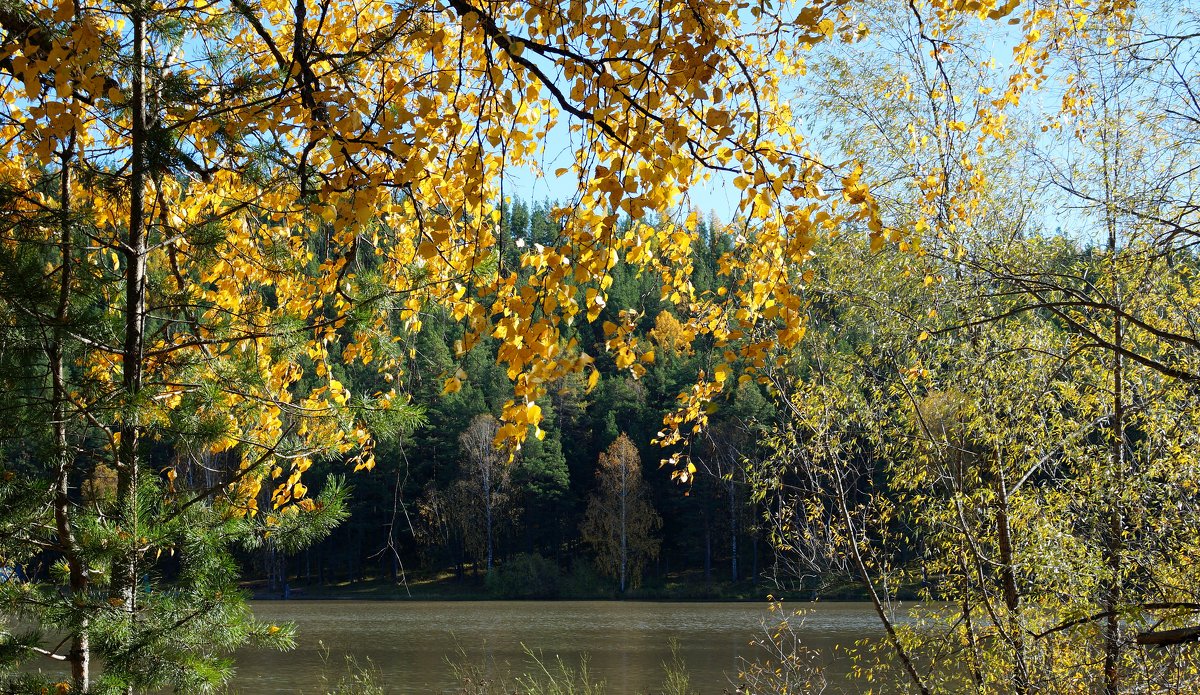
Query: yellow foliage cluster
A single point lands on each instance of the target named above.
(309, 162)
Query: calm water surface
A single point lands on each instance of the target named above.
(626, 642)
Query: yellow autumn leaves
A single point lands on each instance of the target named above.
(324, 176)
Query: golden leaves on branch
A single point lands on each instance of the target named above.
(350, 167)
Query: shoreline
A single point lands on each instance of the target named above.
(475, 589)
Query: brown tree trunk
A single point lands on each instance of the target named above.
(80, 654)
(1113, 543)
(1008, 581)
(124, 574)
(733, 531)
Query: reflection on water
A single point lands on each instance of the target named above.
(627, 642)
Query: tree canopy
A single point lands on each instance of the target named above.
(227, 224)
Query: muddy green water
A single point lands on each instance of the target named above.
(409, 643)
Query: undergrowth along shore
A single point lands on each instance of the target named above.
(518, 581)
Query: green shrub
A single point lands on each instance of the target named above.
(525, 575)
(583, 581)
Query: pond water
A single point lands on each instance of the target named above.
(409, 644)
